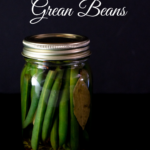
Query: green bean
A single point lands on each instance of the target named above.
(74, 137)
(35, 92)
(22, 76)
(54, 134)
(63, 110)
(33, 70)
(33, 77)
(41, 109)
(51, 106)
(25, 91)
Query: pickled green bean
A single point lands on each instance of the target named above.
(41, 109)
(54, 134)
(22, 76)
(25, 92)
(51, 106)
(63, 110)
(35, 92)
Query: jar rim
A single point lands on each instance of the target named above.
(56, 46)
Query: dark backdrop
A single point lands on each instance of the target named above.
(120, 64)
(120, 58)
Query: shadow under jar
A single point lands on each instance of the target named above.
(56, 92)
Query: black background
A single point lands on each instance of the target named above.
(120, 45)
(120, 64)
(119, 121)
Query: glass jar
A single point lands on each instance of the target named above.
(56, 92)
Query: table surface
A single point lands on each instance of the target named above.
(119, 121)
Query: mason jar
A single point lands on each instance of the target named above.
(56, 92)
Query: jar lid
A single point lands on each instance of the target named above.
(56, 46)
